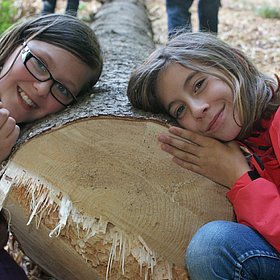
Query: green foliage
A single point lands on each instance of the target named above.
(82, 6)
(7, 14)
(268, 12)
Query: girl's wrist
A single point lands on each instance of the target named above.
(240, 173)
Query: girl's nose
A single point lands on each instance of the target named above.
(199, 108)
(43, 88)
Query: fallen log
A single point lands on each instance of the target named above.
(90, 193)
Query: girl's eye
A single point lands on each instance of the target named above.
(179, 111)
(61, 89)
(198, 85)
(40, 67)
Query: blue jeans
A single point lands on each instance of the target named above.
(71, 8)
(179, 17)
(228, 250)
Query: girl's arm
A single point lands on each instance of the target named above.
(256, 201)
(257, 204)
(9, 133)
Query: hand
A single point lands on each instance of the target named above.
(221, 162)
(9, 133)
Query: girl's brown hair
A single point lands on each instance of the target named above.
(255, 94)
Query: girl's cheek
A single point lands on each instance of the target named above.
(184, 124)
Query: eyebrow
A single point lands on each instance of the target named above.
(188, 79)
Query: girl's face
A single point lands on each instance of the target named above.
(200, 102)
(28, 99)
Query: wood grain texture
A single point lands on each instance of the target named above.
(93, 177)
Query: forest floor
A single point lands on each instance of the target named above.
(239, 25)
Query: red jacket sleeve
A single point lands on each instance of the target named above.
(257, 204)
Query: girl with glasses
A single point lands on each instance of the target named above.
(45, 63)
(229, 116)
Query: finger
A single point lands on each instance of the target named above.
(182, 139)
(8, 143)
(179, 143)
(4, 114)
(13, 136)
(7, 127)
(183, 155)
(188, 135)
(170, 138)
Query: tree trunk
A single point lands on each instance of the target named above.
(90, 193)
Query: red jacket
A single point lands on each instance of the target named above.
(256, 195)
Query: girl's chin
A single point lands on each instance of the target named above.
(223, 137)
(228, 138)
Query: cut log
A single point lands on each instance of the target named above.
(90, 193)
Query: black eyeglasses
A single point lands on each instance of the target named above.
(41, 73)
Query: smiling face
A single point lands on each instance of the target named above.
(200, 102)
(28, 99)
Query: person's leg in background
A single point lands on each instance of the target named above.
(208, 15)
(72, 7)
(178, 15)
(48, 7)
(231, 251)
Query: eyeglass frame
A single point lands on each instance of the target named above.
(26, 56)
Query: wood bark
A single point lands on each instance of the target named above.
(90, 193)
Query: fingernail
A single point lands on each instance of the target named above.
(172, 129)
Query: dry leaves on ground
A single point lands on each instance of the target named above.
(239, 25)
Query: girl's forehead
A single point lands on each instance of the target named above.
(43, 45)
(52, 53)
(64, 66)
(177, 67)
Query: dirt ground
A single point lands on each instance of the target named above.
(239, 25)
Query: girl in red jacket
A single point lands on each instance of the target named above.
(229, 114)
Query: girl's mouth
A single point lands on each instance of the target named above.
(216, 122)
(25, 98)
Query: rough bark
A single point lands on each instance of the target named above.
(90, 193)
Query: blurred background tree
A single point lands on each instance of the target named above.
(11, 11)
